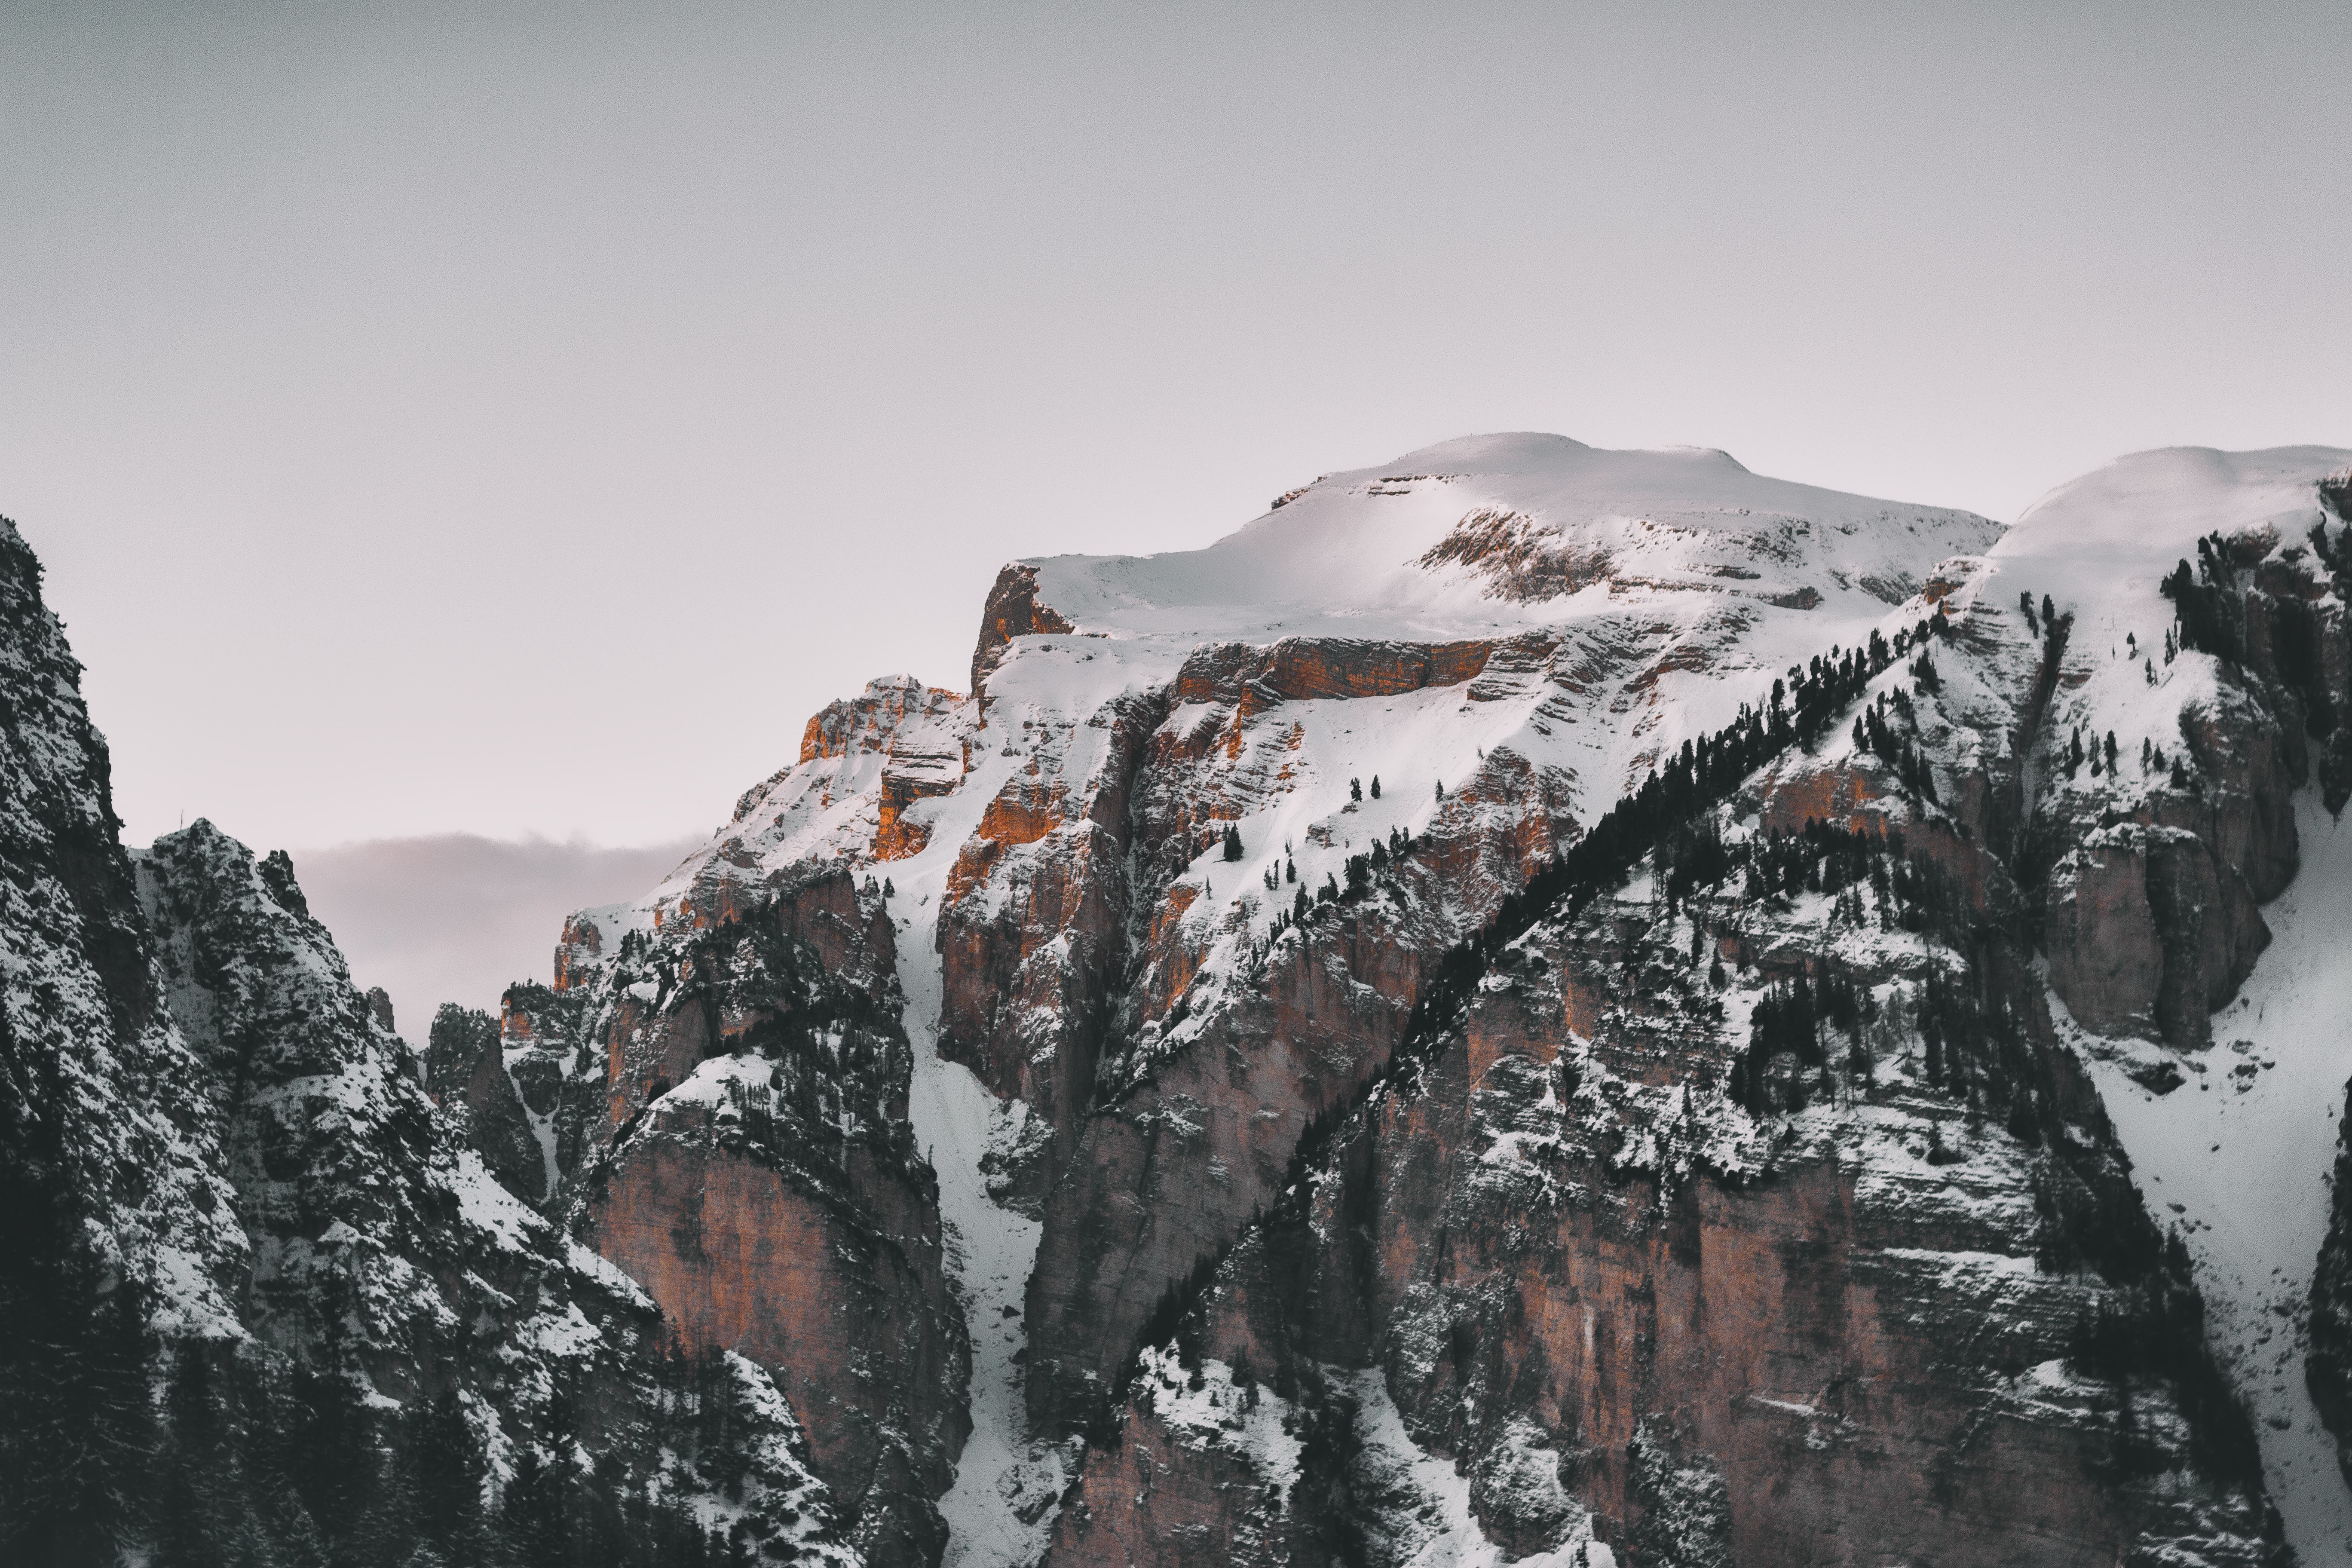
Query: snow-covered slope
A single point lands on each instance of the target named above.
(1125, 1030)
(2105, 538)
(2238, 1157)
(1491, 534)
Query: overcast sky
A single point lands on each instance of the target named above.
(458, 918)
(515, 420)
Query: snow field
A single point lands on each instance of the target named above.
(2240, 1163)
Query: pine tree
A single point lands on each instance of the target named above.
(75, 1429)
(445, 1476)
(331, 1457)
(202, 1510)
(1233, 842)
(537, 1529)
(1376, 786)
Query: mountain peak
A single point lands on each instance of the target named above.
(1498, 533)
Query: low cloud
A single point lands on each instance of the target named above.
(456, 918)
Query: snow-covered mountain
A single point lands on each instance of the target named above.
(1533, 1003)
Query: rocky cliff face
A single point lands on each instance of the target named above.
(2329, 1372)
(717, 1085)
(761, 1179)
(1382, 1163)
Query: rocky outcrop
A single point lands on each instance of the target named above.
(1302, 669)
(756, 1173)
(466, 1073)
(901, 721)
(2328, 1369)
(1518, 557)
(2152, 917)
(1225, 1073)
(1033, 936)
(1012, 611)
(2147, 935)
(844, 1308)
(719, 1101)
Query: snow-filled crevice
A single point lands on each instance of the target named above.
(1000, 1509)
(2238, 1159)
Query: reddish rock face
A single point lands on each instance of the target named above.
(873, 721)
(2147, 935)
(1191, 1506)
(1197, 1130)
(1855, 798)
(1873, 1352)
(1305, 668)
(844, 1304)
(775, 1205)
(578, 951)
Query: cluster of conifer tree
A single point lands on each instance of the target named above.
(1890, 739)
(1363, 871)
(2206, 602)
(1661, 817)
(247, 1464)
(251, 1460)
(1786, 1058)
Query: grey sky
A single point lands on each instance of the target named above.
(511, 420)
(458, 918)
